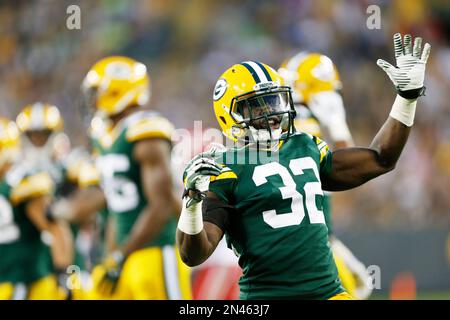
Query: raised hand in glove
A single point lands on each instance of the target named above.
(408, 76)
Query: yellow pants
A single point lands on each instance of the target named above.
(342, 296)
(43, 289)
(155, 273)
(347, 277)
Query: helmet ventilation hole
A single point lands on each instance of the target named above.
(223, 120)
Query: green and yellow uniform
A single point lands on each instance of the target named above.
(89, 176)
(155, 272)
(277, 227)
(25, 269)
(306, 122)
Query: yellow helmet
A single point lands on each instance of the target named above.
(251, 102)
(9, 141)
(116, 83)
(39, 116)
(309, 73)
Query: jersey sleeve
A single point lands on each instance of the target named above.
(325, 156)
(223, 185)
(32, 186)
(150, 127)
(88, 176)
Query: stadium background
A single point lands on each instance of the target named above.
(399, 222)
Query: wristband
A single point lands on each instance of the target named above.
(191, 220)
(404, 110)
(411, 94)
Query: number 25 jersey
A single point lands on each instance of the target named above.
(121, 174)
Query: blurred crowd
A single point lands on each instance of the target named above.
(188, 44)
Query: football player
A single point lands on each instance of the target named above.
(44, 147)
(134, 160)
(26, 271)
(42, 138)
(315, 84)
(270, 209)
(79, 199)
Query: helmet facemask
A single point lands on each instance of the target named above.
(266, 114)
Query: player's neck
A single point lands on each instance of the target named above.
(124, 114)
(4, 169)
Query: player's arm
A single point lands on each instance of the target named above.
(87, 199)
(204, 217)
(354, 166)
(195, 247)
(153, 156)
(351, 167)
(110, 236)
(34, 192)
(81, 206)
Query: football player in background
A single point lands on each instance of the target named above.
(271, 211)
(26, 271)
(78, 202)
(42, 138)
(134, 160)
(44, 146)
(315, 84)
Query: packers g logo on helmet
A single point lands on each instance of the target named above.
(39, 116)
(116, 83)
(309, 73)
(219, 89)
(251, 102)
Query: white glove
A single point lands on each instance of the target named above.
(408, 76)
(197, 177)
(197, 174)
(62, 209)
(328, 108)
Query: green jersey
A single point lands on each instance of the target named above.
(121, 175)
(306, 122)
(25, 258)
(278, 227)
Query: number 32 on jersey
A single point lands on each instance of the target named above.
(289, 191)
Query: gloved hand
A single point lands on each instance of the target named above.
(408, 76)
(112, 265)
(197, 174)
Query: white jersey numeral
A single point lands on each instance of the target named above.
(121, 193)
(9, 231)
(289, 191)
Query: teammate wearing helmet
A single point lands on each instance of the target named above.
(25, 268)
(134, 159)
(43, 141)
(315, 82)
(45, 146)
(271, 209)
